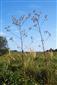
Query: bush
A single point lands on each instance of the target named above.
(3, 51)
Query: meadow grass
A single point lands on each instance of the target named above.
(28, 69)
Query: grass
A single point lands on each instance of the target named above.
(28, 69)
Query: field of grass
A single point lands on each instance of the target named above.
(28, 69)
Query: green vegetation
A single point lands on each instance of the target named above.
(3, 45)
(28, 69)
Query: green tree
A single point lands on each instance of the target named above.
(3, 45)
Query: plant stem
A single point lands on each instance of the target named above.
(21, 39)
(42, 41)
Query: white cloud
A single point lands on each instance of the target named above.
(2, 34)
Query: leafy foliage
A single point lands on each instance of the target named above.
(3, 45)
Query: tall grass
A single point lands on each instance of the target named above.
(28, 71)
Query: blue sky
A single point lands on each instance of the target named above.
(17, 8)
